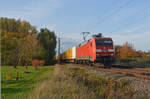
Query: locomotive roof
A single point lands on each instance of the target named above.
(96, 38)
(103, 38)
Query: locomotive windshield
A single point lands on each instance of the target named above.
(103, 42)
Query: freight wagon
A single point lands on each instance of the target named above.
(69, 55)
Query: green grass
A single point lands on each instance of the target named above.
(27, 81)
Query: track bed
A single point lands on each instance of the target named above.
(139, 78)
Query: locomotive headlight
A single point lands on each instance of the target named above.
(110, 50)
(112, 54)
(98, 50)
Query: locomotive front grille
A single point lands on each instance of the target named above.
(103, 59)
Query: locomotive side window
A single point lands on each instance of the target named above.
(103, 42)
(91, 44)
(99, 42)
(108, 42)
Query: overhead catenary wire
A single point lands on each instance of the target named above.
(65, 45)
(112, 14)
(135, 15)
(115, 11)
(137, 21)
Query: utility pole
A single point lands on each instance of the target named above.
(85, 35)
(58, 50)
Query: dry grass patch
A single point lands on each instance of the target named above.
(75, 83)
(61, 87)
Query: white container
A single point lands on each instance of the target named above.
(73, 52)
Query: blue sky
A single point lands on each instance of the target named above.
(123, 20)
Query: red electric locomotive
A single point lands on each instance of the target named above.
(96, 50)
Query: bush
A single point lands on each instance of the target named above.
(37, 63)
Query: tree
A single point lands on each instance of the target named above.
(14, 35)
(148, 53)
(117, 51)
(10, 43)
(15, 26)
(29, 50)
(20, 43)
(48, 40)
(126, 51)
(141, 53)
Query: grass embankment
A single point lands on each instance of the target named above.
(27, 81)
(76, 83)
(135, 62)
(143, 61)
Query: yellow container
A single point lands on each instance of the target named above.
(56, 57)
(67, 54)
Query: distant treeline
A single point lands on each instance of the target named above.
(127, 53)
(21, 43)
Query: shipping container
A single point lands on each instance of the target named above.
(69, 55)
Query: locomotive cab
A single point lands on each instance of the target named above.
(104, 50)
(96, 50)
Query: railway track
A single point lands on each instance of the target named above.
(142, 73)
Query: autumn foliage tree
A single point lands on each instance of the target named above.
(141, 53)
(29, 50)
(15, 26)
(36, 63)
(125, 52)
(10, 43)
(12, 34)
(21, 43)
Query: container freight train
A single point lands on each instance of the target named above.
(96, 50)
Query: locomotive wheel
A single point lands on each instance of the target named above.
(90, 64)
(109, 67)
